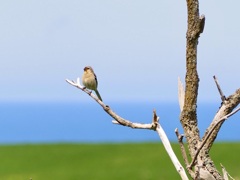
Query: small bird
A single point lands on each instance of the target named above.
(89, 80)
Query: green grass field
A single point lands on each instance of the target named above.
(141, 161)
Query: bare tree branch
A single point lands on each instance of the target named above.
(226, 108)
(183, 151)
(208, 135)
(106, 108)
(170, 152)
(225, 173)
(155, 125)
(151, 126)
(219, 89)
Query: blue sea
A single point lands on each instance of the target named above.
(72, 122)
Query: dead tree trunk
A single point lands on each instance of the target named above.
(201, 165)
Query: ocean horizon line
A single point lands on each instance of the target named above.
(87, 122)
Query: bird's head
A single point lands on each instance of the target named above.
(88, 68)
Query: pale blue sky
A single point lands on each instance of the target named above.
(136, 47)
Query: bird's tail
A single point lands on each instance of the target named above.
(98, 95)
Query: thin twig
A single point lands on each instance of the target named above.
(209, 133)
(223, 98)
(225, 173)
(183, 151)
(155, 118)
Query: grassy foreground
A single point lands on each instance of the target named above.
(141, 161)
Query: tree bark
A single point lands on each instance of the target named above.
(189, 116)
(203, 167)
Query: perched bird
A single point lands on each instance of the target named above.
(89, 80)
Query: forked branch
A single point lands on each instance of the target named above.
(226, 109)
(208, 135)
(155, 125)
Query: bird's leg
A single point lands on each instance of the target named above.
(89, 92)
